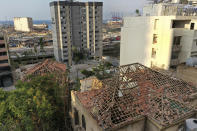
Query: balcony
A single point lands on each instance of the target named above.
(176, 48)
(3, 50)
(174, 62)
(4, 57)
(4, 65)
(2, 42)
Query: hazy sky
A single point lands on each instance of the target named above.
(39, 9)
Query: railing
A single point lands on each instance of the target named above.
(3, 50)
(2, 42)
(179, 10)
(4, 57)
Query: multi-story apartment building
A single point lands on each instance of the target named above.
(76, 24)
(165, 36)
(5, 70)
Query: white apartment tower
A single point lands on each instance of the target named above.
(76, 24)
(165, 36)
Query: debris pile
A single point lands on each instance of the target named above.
(136, 92)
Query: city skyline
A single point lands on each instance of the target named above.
(39, 10)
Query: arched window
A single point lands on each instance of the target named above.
(83, 122)
(76, 115)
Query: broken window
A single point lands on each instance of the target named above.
(192, 26)
(177, 40)
(83, 122)
(175, 55)
(76, 115)
(2, 45)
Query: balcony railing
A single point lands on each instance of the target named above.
(179, 10)
(174, 62)
(176, 48)
(3, 50)
(4, 57)
(2, 41)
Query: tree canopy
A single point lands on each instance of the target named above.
(34, 105)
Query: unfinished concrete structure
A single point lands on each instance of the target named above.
(5, 69)
(90, 84)
(76, 24)
(24, 24)
(136, 98)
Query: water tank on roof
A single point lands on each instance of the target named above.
(191, 125)
(191, 61)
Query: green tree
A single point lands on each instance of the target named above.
(87, 73)
(137, 12)
(41, 43)
(34, 105)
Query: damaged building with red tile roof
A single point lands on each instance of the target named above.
(46, 67)
(136, 98)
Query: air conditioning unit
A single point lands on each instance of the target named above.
(191, 125)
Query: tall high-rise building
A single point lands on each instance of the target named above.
(76, 24)
(165, 36)
(5, 70)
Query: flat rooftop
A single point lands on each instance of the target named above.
(69, 3)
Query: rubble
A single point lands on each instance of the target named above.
(135, 92)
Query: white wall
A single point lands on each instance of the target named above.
(136, 41)
(23, 24)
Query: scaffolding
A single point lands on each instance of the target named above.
(135, 92)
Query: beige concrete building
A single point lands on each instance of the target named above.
(165, 36)
(76, 24)
(90, 84)
(24, 24)
(138, 99)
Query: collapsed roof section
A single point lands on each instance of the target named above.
(47, 67)
(136, 91)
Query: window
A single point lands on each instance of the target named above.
(154, 39)
(76, 115)
(3, 61)
(156, 24)
(2, 45)
(83, 122)
(192, 26)
(154, 53)
(177, 40)
(3, 53)
(175, 55)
